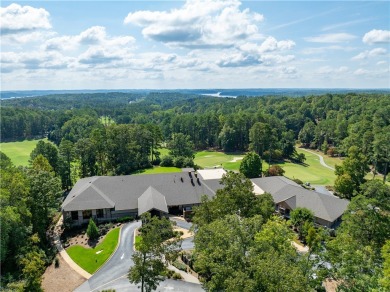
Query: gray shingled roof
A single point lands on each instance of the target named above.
(324, 206)
(85, 196)
(152, 199)
(125, 190)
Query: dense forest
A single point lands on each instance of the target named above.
(270, 126)
(136, 126)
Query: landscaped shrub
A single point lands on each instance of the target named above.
(188, 162)
(177, 276)
(169, 273)
(125, 219)
(179, 161)
(179, 265)
(92, 230)
(166, 161)
(274, 170)
(298, 181)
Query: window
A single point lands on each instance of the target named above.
(87, 214)
(99, 213)
(75, 215)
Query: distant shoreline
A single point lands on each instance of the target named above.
(224, 93)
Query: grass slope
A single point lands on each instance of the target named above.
(210, 159)
(87, 257)
(312, 171)
(158, 169)
(19, 152)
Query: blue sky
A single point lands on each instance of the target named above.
(194, 44)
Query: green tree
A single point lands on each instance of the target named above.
(272, 255)
(236, 197)
(299, 217)
(221, 252)
(260, 137)
(92, 230)
(306, 135)
(251, 165)
(32, 263)
(181, 145)
(385, 280)
(40, 163)
(67, 156)
(49, 151)
(15, 216)
(350, 175)
(44, 196)
(361, 236)
(86, 153)
(148, 259)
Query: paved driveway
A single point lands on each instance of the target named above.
(113, 275)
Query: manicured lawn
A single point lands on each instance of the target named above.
(331, 161)
(209, 159)
(312, 171)
(158, 169)
(19, 152)
(87, 257)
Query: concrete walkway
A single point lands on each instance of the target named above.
(64, 254)
(186, 276)
(321, 159)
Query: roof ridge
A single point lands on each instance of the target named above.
(103, 195)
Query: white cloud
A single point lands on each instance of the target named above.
(92, 35)
(199, 23)
(320, 50)
(95, 35)
(381, 63)
(328, 70)
(372, 53)
(16, 19)
(35, 60)
(238, 60)
(96, 55)
(361, 71)
(331, 38)
(377, 36)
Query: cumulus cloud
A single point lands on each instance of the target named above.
(269, 45)
(95, 35)
(99, 56)
(17, 19)
(368, 54)
(198, 23)
(377, 36)
(331, 38)
(238, 60)
(328, 70)
(34, 60)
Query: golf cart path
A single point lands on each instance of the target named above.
(321, 158)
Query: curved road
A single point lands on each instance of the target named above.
(113, 275)
(321, 159)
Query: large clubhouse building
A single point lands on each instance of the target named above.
(110, 197)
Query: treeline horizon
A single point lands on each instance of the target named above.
(270, 126)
